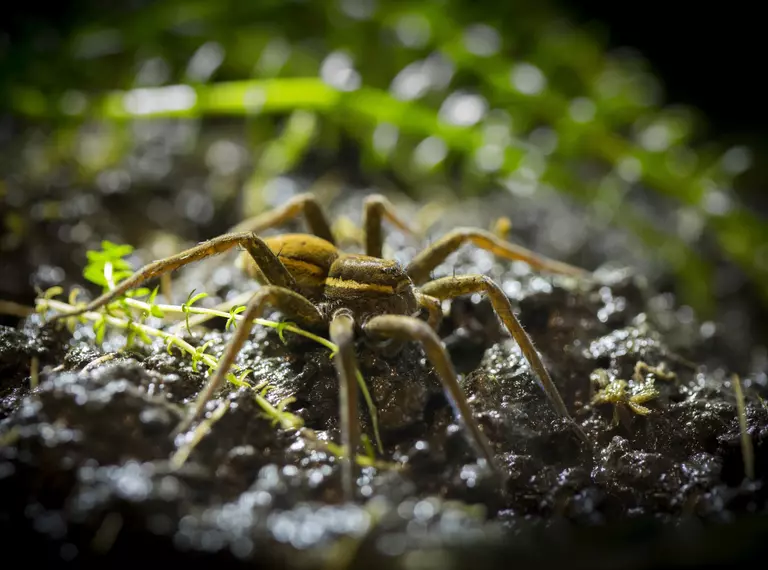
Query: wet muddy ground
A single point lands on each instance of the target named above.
(85, 474)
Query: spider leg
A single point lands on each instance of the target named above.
(342, 333)
(502, 227)
(433, 307)
(305, 204)
(423, 264)
(290, 303)
(376, 207)
(410, 328)
(450, 287)
(263, 256)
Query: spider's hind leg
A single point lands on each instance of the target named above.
(422, 265)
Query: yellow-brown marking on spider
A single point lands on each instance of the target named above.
(349, 284)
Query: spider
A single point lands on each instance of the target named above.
(310, 281)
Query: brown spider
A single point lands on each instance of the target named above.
(310, 281)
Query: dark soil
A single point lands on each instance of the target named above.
(85, 473)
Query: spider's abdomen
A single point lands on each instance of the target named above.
(308, 258)
(369, 286)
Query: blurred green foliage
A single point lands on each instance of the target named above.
(439, 92)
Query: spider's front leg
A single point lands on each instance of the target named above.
(288, 302)
(422, 265)
(201, 251)
(342, 332)
(410, 328)
(450, 287)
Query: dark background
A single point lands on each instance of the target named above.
(711, 58)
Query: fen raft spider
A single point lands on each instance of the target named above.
(310, 281)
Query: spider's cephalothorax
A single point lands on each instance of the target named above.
(362, 284)
(310, 281)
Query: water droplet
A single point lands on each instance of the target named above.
(430, 152)
(338, 71)
(629, 169)
(161, 100)
(464, 109)
(411, 83)
(737, 160)
(489, 157)
(656, 138)
(716, 202)
(385, 138)
(545, 139)
(273, 57)
(358, 9)
(528, 79)
(413, 30)
(205, 61)
(582, 110)
(225, 157)
(482, 40)
(153, 71)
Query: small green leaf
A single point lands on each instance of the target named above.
(52, 292)
(191, 299)
(95, 274)
(100, 328)
(244, 374)
(107, 266)
(233, 312)
(116, 251)
(198, 355)
(137, 293)
(130, 338)
(281, 329)
(154, 310)
(368, 446)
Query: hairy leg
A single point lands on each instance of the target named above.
(375, 208)
(422, 265)
(291, 304)
(433, 307)
(342, 333)
(410, 328)
(450, 287)
(305, 204)
(268, 262)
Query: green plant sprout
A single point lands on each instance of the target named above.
(620, 393)
(107, 267)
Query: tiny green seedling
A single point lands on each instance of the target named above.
(622, 394)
